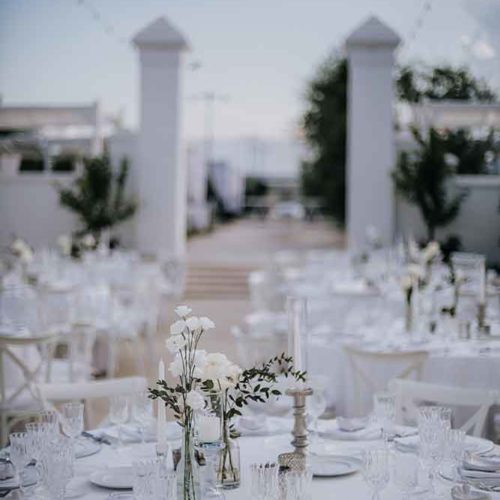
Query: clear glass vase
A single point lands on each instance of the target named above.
(188, 484)
(228, 471)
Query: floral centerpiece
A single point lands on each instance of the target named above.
(197, 371)
(410, 284)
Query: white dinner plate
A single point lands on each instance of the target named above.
(334, 465)
(85, 447)
(116, 478)
(472, 444)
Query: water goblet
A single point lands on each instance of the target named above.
(433, 424)
(144, 477)
(72, 420)
(316, 404)
(142, 412)
(118, 414)
(152, 480)
(384, 410)
(298, 485)
(57, 465)
(405, 472)
(19, 454)
(51, 418)
(376, 470)
(264, 481)
(455, 450)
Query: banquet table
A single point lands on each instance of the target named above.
(467, 364)
(253, 449)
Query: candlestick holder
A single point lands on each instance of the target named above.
(299, 431)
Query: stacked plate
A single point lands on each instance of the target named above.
(482, 472)
(473, 445)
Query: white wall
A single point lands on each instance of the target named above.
(477, 224)
(29, 209)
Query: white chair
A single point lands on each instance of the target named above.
(24, 361)
(50, 395)
(409, 394)
(367, 367)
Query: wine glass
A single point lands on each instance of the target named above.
(72, 421)
(405, 472)
(142, 412)
(118, 414)
(316, 404)
(384, 411)
(19, 454)
(433, 425)
(57, 466)
(455, 448)
(376, 470)
(51, 418)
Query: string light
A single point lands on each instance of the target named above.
(419, 22)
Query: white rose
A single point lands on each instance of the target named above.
(413, 250)
(88, 241)
(206, 323)
(176, 368)
(26, 255)
(430, 251)
(406, 283)
(182, 311)
(175, 343)
(216, 367)
(64, 242)
(234, 372)
(178, 327)
(200, 361)
(195, 400)
(193, 323)
(416, 271)
(18, 246)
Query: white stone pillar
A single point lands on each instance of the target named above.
(370, 132)
(161, 179)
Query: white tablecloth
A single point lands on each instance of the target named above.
(253, 449)
(462, 365)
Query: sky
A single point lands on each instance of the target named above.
(257, 55)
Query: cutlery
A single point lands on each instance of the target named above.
(97, 439)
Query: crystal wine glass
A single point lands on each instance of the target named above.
(433, 424)
(376, 470)
(455, 448)
(316, 404)
(405, 472)
(142, 412)
(72, 419)
(384, 411)
(19, 453)
(118, 414)
(264, 481)
(57, 465)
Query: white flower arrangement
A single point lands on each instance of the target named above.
(198, 371)
(22, 251)
(64, 242)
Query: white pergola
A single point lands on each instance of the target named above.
(455, 114)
